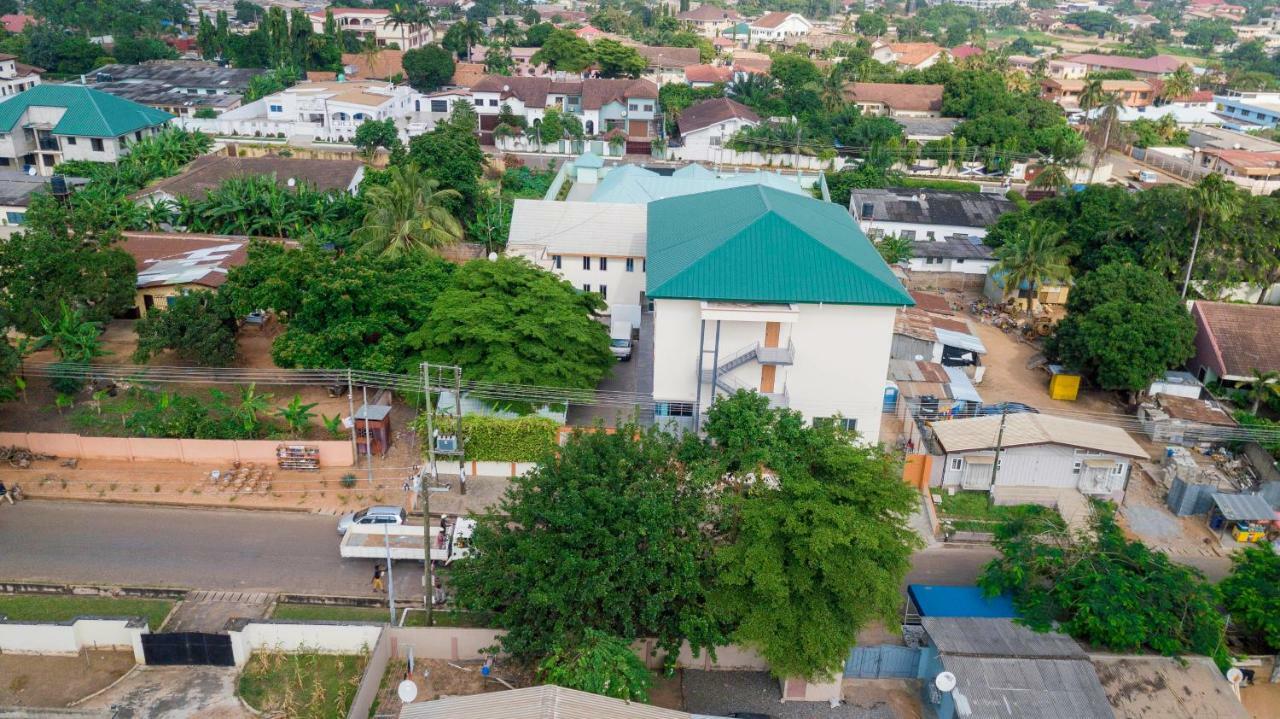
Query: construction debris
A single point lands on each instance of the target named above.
(20, 457)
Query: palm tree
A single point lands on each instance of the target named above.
(470, 33)
(1261, 389)
(507, 29)
(1090, 96)
(1180, 84)
(1215, 199)
(1052, 175)
(369, 52)
(1034, 256)
(1109, 108)
(408, 215)
(752, 90)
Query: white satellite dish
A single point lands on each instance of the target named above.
(945, 682)
(407, 691)
(1235, 676)
(493, 256)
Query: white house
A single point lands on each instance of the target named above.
(1036, 451)
(778, 26)
(908, 55)
(49, 124)
(600, 105)
(709, 20)
(946, 228)
(708, 125)
(891, 99)
(329, 111)
(15, 77)
(366, 22)
(755, 288)
(596, 246)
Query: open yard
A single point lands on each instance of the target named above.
(301, 686)
(40, 681)
(61, 608)
(414, 618)
(974, 512)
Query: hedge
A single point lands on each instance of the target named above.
(493, 439)
(949, 185)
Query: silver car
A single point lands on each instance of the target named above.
(379, 514)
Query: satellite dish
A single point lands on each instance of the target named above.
(1235, 676)
(291, 182)
(945, 682)
(493, 256)
(407, 691)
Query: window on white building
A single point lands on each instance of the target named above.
(631, 264)
(555, 261)
(673, 409)
(957, 464)
(439, 106)
(909, 235)
(1075, 466)
(15, 218)
(479, 102)
(604, 292)
(276, 108)
(586, 287)
(586, 263)
(68, 140)
(493, 103)
(604, 263)
(716, 141)
(1117, 470)
(96, 144)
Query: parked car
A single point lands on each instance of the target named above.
(379, 514)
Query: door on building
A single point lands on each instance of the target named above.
(977, 473)
(772, 333)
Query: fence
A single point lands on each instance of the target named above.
(188, 451)
(298, 637)
(371, 681)
(961, 281)
(73, 636)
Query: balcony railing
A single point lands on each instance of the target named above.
(776, 355)
(48, 143)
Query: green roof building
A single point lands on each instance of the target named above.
(49, 124)
(760, 289)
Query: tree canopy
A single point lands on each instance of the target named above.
(1252, 595)
(198, 327)
(428, 67)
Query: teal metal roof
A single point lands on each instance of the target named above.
(89, 112)
(636, 185)
(589, 160)
(760, 244)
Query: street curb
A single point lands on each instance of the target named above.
(108, 687)
(9, 587)
(167, 505)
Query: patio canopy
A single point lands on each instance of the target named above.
(1243, 507)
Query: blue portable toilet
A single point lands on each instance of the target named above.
(890, 396)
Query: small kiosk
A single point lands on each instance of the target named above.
(1245, 517)
(373, 428)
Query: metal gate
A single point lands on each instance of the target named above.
(188, 648)
(882, 662)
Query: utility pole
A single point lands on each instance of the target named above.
(995, 467)
(452, 374)
(391, 580)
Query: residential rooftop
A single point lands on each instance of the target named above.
(207, 172)
(639, 185)
(929, 207)
(896, 95)
(16, 188)
(88, 112)
(1027, 429)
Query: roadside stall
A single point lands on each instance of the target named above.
(1244, 517)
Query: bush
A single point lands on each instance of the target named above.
(494, 439)
(948, 185)
(348, 481)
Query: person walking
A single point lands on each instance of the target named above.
(378, 586)
(5, 493)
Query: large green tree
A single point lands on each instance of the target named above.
(564, 51)
(197, 327)
(1104, 589)
(617, 60)
(605, 534)
(1252, 594)
(508, 321)
(428, 67)
(451, 155)
(1125, 326)
(815, 542)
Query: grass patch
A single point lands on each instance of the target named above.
(302, 686)
(948, 185)
(974, 512)
(325, 613)
(58, 608)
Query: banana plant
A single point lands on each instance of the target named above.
(297, 415)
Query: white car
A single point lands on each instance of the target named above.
(379, 514)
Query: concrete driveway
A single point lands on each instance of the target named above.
(634, 377)
(174, 693)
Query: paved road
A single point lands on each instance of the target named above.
(265, 551)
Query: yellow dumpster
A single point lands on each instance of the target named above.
(1063, 385)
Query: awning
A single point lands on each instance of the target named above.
(980, 459)
(946, 601)
(961, 340)
(962, 388)
(1244, 507)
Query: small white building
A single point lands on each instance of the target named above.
(596, 246)
(778, 26)
(16, 77)
(945, 228)
(754, 288)
(50, 124)
(706, 126)
(1035, 451)
(374, 22)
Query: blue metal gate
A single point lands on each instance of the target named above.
(882, 662)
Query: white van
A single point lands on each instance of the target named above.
(620, 340)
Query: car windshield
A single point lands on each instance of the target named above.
(621, 343)
(360, 515)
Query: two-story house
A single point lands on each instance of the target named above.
(601, 105)
(49, 124)
(1066, 93)
(16, 77)
(756, 288)
(777, 27)
(368, 22)
(709, 20)
(890, 99)
(945, 228)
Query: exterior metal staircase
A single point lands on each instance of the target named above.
(752, 352)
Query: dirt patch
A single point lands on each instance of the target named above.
(667, 691)
(1261, 699)
(901, 697)
(1144, 516)
(436, 678)
(43, 681)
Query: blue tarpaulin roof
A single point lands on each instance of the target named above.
(934, 600)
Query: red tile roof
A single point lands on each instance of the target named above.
(771, 19)
(595, 92)
(964, 51)
(898, 96)
(709, 13)
(669, 56)
(15, 23)
(1242, 337)
(1157, 65)
(708, 73)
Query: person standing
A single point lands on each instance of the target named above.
(378, 586)
(5, 493)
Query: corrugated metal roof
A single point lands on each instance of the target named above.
(940, 600)
(759, 244)
(541, 702)
(579, 228)
(89, 112)
(635, 184)
(1007, 688)
(961, 340)
(930, 207)
(997, 637)
(1027, 428)
(1244, 507)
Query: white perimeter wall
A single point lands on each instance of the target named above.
(71, 637)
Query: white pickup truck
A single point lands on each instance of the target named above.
(368, 541)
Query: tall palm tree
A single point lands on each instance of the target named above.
(1090, 96)
(1262, 388)
(1053, 175)
(1034, 256)
(1217, 200)
(1179, 84)
(752, 89)
(1109, 107)
(408, 215)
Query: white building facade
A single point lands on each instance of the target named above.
(374, 22)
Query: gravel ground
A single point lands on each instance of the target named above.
(720, 693)
(1152, 523)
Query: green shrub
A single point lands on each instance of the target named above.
(494, 439)
(948, 185)
(348, 481)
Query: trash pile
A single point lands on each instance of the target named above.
(20, 457)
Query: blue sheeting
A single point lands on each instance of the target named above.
(934, 600)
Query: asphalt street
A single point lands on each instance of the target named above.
(264, 551)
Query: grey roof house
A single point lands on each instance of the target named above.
(990, 668)
(179, 87)
(945, 228)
